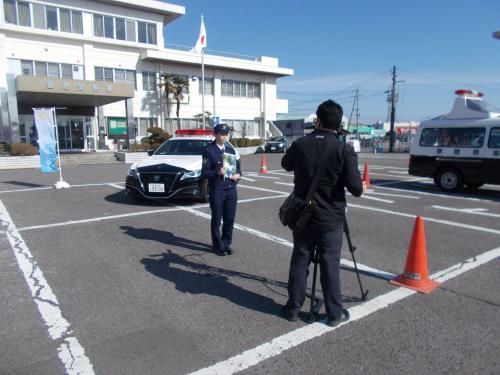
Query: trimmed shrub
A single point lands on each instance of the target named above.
(245, 142)
(4, 147)
(25, 149)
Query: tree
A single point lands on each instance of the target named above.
(208, 118)
(174, 84)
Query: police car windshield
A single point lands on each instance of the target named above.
(183, 147)
(276, 139)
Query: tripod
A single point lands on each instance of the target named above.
(316, 302)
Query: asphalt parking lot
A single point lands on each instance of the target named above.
(91, 282)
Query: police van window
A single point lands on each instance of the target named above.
(494, 141)
(453, 137)
(429, 137)
(481, 106)
(183, 147)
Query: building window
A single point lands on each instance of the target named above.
(53, 70)
(27, 67)
(39, 16)
(209, 86)
(98, 26)
(145, 124)
(115, 75)
(146, 32)
(40, 69)
(131, 34)
(51, 16)
(108, 27)
(76, 22)
(9, 9)
(66, 71)
(148, 81)
(65, 15)
(120, 28)
(23, 13)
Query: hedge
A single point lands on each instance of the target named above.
(23, 149)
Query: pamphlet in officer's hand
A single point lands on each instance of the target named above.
(229, 165)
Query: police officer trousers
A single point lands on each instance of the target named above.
(329, 245)
(223, 205)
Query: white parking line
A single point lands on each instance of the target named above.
(430, 219)
(261, 176)
(472, 211)
(51, 187)
(263, 189)
(247, 179)
(282, 174)
(70, 351)
(371, 192)
(149, 212)
(296, 337)
(284, 183)
(364, 196)
(119, 187)
(430, 194)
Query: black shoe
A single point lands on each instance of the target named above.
(229, 251)
(220, 253)
(344, 317)
(290, 314)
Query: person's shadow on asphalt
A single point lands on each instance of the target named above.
(196, 278)
(167, 238)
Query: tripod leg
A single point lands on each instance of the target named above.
(315, 304)
(352, 249)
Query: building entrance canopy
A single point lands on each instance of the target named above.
(53, 92)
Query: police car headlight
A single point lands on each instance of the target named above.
(193, 174)
(281, 144)
(132, 172)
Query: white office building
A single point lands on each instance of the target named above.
(99, 64)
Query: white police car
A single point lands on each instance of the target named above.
(173, 170)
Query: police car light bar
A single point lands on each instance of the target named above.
(472, 93)
(191, 132)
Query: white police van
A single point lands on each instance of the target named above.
(460, 147)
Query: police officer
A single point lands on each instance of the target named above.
(221, 167)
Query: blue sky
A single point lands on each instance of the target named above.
(333, 46)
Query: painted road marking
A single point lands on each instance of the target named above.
(282, 174)
(119, 187)
(149, 212)
(371, 192)
(260, 176)
(70, 351)
(426, 193)
(263, 189)
(51, 187)
(296, 337)
(284, 183)
(364, 196)
(247, 179)
(430, 219)
(472, 211)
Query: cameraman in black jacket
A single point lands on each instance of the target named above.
(325, 228)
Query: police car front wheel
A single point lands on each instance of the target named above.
(449, 180)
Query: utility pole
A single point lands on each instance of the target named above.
(357, 113)
(352, 111)
(393, 110)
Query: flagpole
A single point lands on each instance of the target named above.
(61, 183)
(202, 84)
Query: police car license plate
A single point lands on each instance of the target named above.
(273, 148)
(156, 188)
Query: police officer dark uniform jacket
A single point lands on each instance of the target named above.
(222, 192)
(340, 171)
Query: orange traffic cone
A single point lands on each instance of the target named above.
(263, 165)
(415, 275)
(366, 176)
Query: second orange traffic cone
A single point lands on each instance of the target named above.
(263, 165)
(366, 176)
(415, 275)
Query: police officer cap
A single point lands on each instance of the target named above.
(221, 128)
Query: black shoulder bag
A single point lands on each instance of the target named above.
(295, 212)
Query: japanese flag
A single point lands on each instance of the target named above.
(202, 39)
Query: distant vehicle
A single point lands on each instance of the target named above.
(461, 147)
(276, 144)
(355, 144)
(173, 170)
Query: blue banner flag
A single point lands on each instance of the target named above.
(44, 121)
